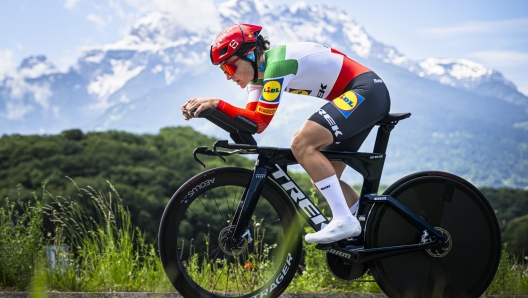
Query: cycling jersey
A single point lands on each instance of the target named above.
(304, 68)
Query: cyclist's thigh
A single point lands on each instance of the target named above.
(351, 116)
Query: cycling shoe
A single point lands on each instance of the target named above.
(334, 231)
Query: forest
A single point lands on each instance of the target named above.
(147, 169)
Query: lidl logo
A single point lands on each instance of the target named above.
(300, 91)
(271, 91)
(266, 111)
(348, 102)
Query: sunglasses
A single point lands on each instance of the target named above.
(230, 68)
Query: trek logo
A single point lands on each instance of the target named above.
(380, 199)
(260, 176)
(340, 253)
(200, 186)
(322, 91)
(298, 197)
(376, 156)
(331, 122)
(378, 81)
(323, 188)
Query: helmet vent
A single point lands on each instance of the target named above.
(223, 51)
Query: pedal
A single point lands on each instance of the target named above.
(326, 246)
(346, 244)
(351, 243)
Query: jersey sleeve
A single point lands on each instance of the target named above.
(262, 103)
(264, 97)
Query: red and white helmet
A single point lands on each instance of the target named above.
(229, 41)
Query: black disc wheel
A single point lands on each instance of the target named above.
(464, 267)
(195, 246)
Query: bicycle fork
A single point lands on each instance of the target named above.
(247, 204)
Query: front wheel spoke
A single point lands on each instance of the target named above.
(212, 219)
(198, 216)
(266, 213)
(217, 207)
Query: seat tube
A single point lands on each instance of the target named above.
(382, 138)
(380, 146)
(248, 203)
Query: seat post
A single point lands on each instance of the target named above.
(382, 138)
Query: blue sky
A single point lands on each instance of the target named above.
(493, 33)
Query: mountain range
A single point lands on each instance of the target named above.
(466, 119)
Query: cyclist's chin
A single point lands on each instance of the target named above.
(241, 84)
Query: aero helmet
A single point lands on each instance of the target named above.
(229, 41)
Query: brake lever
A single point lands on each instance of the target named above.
(199, 150)
(214, 149)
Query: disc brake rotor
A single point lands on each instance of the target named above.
(441, 252)
(224, 241)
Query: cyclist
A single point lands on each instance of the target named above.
(356, 99)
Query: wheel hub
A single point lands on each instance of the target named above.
(225, 241)
(441, 252)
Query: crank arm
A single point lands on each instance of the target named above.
(361, 255)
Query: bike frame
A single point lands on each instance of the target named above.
(272, 163)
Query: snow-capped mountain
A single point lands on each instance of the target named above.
(139, 82)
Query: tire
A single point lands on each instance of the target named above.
(465, 268)
(199, 265)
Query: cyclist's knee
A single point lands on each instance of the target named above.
(300, 145)
(303, 143)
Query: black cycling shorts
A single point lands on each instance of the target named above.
(351, 116)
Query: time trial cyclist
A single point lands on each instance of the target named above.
(356, 99)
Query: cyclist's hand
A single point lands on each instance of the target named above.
(194, 106)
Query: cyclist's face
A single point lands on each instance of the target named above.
(243, 74)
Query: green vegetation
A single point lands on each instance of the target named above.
(147, 170)
(109, 254)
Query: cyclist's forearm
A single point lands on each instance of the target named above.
(260, 119)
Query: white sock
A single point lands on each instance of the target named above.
(354, 208)
(331, 190)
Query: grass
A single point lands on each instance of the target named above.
(107, 253)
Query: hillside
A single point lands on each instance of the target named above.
(467, 119)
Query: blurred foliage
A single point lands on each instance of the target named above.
(147, 169)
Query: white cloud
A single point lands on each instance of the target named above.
(480, 27)
(70, 4)
(97, 20)
(7, 63)
(501, 58)
(16, 111)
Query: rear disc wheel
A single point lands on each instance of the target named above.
(464, 267)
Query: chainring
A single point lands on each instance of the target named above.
(345, 270)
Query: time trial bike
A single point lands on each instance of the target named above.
(236, 232)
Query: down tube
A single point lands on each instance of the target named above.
(304, 205)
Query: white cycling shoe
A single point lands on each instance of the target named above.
(334, 231)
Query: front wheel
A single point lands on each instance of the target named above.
(464, 267)
(197, 223)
